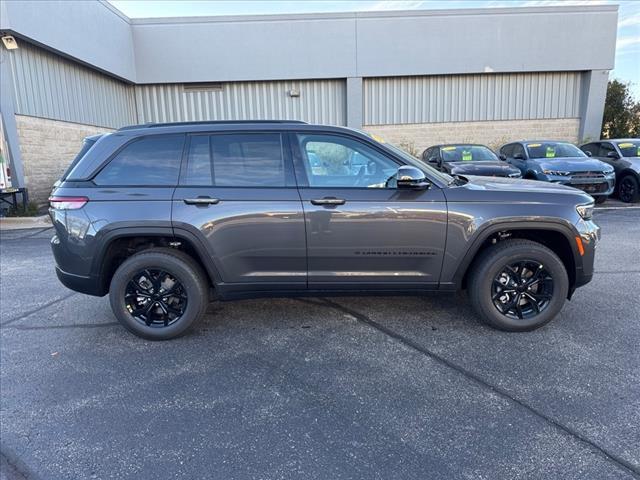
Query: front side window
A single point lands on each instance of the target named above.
(149, 161)
(334, 161)
(467, 153)
(630, 149)
(507, 151)
(605, 149)
(235, 160)
(592, 148)
(517, 149)
(550, 150)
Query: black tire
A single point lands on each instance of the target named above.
(178, 266)
(493, 261)
(600, 199)
(629, 189)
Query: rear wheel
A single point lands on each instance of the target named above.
(518, 285)
(629, 189)
(158, 294)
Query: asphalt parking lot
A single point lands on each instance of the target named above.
(384, 387)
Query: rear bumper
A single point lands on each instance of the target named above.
(88, 285)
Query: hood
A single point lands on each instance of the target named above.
(572, 164)
(632, 162)
(488, 167)
(517, 185)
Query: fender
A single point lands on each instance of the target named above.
(488, 230)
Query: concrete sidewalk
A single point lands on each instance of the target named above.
(19, 223)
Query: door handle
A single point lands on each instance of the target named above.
(328, 201)
(201, 201)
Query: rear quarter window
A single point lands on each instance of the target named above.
(149, 161)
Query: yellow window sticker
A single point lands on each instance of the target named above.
(466, 156)
(625, 145)
(534, 145)
(550, 152)
(448, 149)
(377, 138)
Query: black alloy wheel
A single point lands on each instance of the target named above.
(522, 290)
(155, 298)
(628, 189)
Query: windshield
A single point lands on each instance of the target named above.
(551, 150)
(630, 149)
(467, 153)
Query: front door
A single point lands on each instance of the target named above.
(237, 193)
(362, 232)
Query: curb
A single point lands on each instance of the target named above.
(19, 223)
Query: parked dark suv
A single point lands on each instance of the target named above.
(165, 218)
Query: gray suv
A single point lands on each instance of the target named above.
(167, 217)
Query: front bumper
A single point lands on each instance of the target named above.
(589, 234)
(595, 186)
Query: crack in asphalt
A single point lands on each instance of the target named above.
(36, 310)
(612, 457)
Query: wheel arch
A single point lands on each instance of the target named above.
(119, 244)
(556, 236)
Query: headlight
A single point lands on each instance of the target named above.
(585, 211)
(556, 172)
(608, 172)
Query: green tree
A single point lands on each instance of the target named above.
(621, 112)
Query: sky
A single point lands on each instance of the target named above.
(627, 63)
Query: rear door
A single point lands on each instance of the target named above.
(362, 232)
(237, 194)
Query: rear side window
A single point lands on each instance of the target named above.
(86, 146)
(150, 161)
(507, 150)
(236, 160)
(592, 148)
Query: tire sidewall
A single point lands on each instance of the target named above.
(175, 267)
(551, 263)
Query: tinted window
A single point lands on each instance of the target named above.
(149, 161)
(239, 160)
(332, 161)
(605, 149)
(86, 146)
(507, 151)
(247, 160)
(517, 148)
(199, 167)
(592, 148)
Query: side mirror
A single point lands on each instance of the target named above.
(411, 178)
(588, 153)
(502, 157)
(518, 156)
(613, 155)
(434, 160)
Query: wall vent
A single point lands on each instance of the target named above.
(202, 87)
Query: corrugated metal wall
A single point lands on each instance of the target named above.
(49, 86)
(320, 101)
(460, 98)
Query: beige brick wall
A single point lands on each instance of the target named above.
(48, 147)
(491, 133)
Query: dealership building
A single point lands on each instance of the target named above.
(415, 78)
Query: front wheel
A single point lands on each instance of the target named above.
(158, 294)
(518, 285)
(629, 189)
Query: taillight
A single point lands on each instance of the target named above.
(67, 203)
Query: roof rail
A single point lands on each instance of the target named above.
(209, 122)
